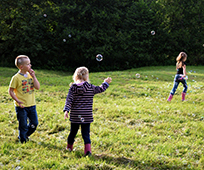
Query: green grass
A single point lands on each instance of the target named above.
(134, 127)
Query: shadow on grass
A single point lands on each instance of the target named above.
(130, 163)
(111, 162)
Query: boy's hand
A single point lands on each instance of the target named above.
(20, 104)
(108, 80)
(11, 92)
(66, 115)
(32, 72)
(36, 83)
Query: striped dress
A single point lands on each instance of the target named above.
(79, 101)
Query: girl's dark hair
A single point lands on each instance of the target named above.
(180, 59)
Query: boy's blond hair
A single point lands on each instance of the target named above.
(81, 73)
(20, 60)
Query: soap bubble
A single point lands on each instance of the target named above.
(17, 168)
(45, 15)
(153, 32)
(99, 57)
(70, 35)
(64, 40)
(137, 75)
(82, 119)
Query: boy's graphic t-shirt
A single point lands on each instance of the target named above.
(23, 89)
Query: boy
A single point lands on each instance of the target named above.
(21, 89)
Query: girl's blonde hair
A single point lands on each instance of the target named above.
(81, 74)
(20, 60)
(180, 59)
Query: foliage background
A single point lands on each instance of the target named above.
(63, 35)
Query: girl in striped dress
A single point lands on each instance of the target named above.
(79, 103)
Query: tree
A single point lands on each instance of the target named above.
(64, 35)
(184, 22)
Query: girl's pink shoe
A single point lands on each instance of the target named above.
(69, 147)
(183, 96)
(170, 97)
(87, 149)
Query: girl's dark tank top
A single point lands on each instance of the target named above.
(180, 70)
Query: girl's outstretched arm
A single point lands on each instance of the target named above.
(103, 87)
(108, 80)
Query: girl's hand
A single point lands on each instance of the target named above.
(66, 115)
(108, 80)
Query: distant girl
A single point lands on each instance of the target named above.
(79, 103)
(180, 76)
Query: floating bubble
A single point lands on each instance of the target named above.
(70, 35)
(64, 40)
(99, 57)
(137, 75)
(79, 116)
(25, 75)
(153, 32)
(45, 15)
(82, 119)
(186, 78)
(17, 168)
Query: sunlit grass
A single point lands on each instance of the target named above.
(134, 127)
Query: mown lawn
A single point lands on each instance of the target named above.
(134, 126)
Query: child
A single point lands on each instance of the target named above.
(179, 77)
(21, 89)
(79, 103)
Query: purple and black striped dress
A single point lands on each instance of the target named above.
(79, 101)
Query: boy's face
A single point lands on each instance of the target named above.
(26, 66)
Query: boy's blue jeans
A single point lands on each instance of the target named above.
(23, 115)
(85, 131)
(178, 79)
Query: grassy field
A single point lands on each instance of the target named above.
(134, 126)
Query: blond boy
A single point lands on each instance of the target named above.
(21, 89)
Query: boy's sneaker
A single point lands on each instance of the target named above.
(22, 141)
(27, 139)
